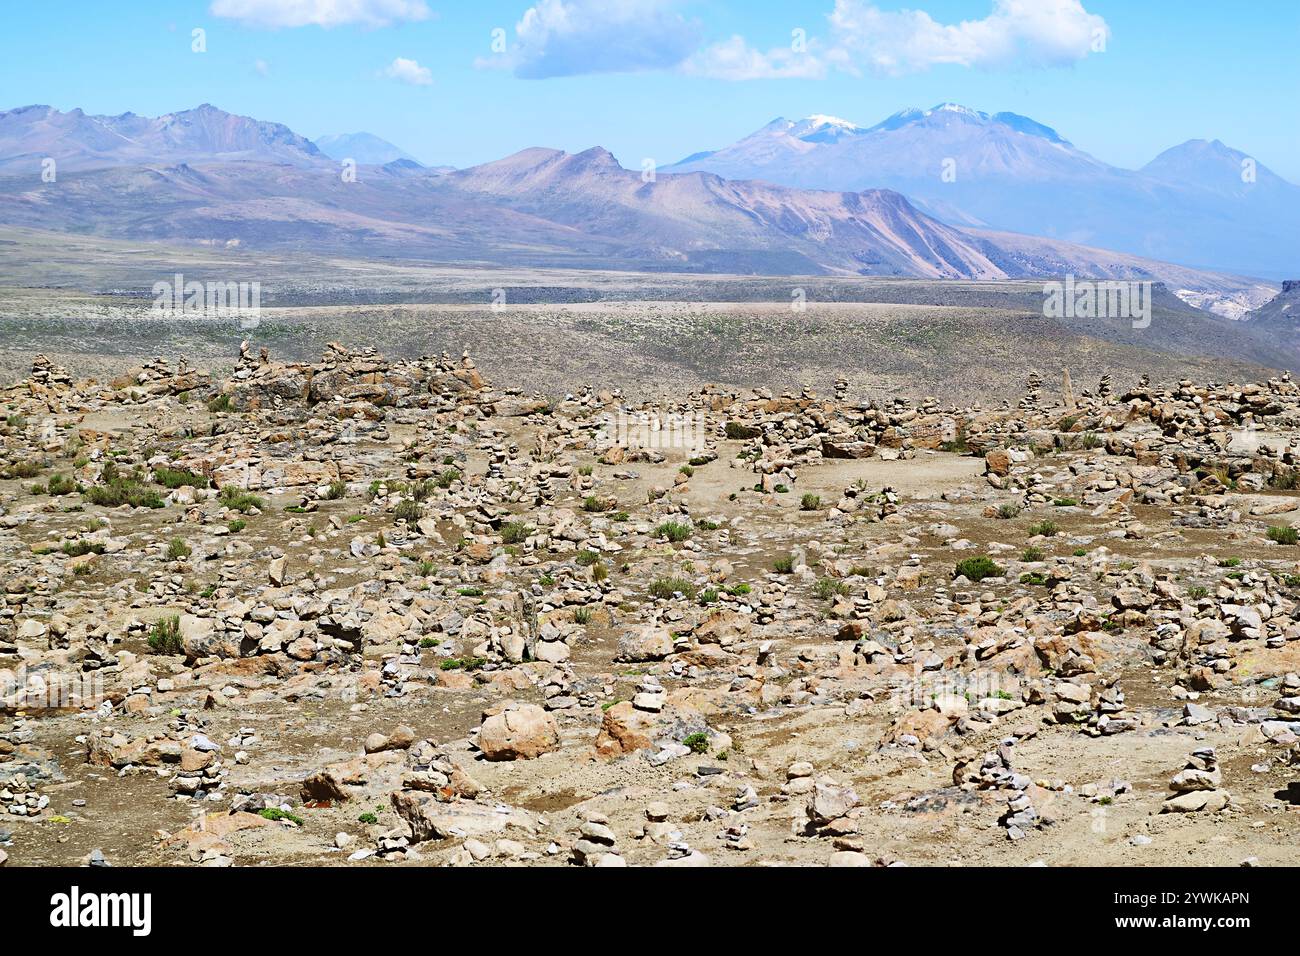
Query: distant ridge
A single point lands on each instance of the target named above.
(1202, 203)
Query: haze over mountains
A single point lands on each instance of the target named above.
(1195, 204)
(205, 176)
(365, 148)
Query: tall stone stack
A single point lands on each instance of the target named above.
(1104, 390)
(1067, 389)
(45, 372)
(1033, 390)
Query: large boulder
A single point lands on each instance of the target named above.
(431, 819)
(624, 730)
(724, 628)
(649, 643)
(513, 730)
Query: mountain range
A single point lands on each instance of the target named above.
(78, 141)
(205, 176)
(1201, 204)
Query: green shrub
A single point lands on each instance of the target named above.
(336, 490)
(24, 469)
(275, 815)
(697, 742)
(1065, 502)
(237, 499)
(1047, 529)
(165, 636)
(596, 505)
(238, 525)
(220, 404)
(1031, 555)
(810, 502)
(408, 510)
(515, 532)
(117, 489)
(978, 568)
(447, 478)
(738, 432)
(419, 490)
(178, 477)
(1285, 481)
(674, 531)
(178, 550)
(59, 486)
(827, 588)
(1282, 534)
(1008, 511)
(75, 549)
(784, 564)
(665, 588)
(586, 558)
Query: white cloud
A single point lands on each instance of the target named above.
(322, 13)
(1016, 32)
(571, 37)
(262, 68)
(734, 59)
(409, 71)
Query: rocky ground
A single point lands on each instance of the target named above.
(366, 612)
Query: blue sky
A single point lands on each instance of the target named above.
(663, 78)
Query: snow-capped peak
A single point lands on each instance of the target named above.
(821, 119)
(956, 108)
(820, 128)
